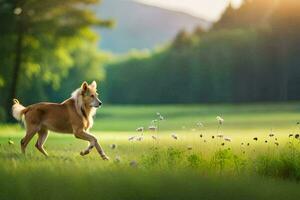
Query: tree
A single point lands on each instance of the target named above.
(285, 23)
(251, 14)
(42, 33)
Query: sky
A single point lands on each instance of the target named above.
(208, 9)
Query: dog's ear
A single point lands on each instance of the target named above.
(94, 84)
(84, 86)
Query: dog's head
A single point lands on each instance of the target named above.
(89, 94)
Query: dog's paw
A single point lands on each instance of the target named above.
(104, 157)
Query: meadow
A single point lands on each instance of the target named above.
(253, 154)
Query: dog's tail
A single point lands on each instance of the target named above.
(18, 110)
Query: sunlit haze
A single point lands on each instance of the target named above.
(207, 9)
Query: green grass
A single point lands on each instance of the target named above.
(191, 167)
(238, 117)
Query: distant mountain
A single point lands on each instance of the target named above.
(140, 26)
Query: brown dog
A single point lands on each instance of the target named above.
(74, 116)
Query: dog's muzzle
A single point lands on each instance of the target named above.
(97, 103)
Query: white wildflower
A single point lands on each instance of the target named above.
(272, 133)
(161, 117)
(118, 159)
(133, 163)
(174, 136)
(17, 11)
(220, 120)
(132, 138)
(154, 121)
(113, 146)
(140, 129)
(152, 128)
(199, 124)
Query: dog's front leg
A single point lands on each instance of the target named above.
(87, 150)
(93, 143)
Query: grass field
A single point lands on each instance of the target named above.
(193, 166)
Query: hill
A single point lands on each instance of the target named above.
(140, 26)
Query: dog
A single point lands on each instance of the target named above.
(73, 116)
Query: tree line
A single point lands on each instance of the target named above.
(251, 54)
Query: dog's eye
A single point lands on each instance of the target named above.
(92, 96)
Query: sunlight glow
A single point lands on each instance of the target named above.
(207, 9)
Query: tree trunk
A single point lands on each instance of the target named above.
(16, 71)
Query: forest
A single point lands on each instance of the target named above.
(249, 55)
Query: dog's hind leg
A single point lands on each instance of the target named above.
(30, 132)
(42, 137)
